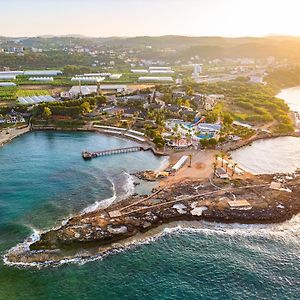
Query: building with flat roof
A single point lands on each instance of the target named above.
(88, 78)
(93, 89)
(156, 79)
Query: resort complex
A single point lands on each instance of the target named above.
(150, 163)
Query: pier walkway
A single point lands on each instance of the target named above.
(90, 155)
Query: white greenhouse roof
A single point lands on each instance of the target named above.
(41, 79)
(7, 77)
(35, 99)
(91, 89)
(139, 71)
(43, 72)
(7, 84)
(88, 78)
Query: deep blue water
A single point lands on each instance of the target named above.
(43, 180)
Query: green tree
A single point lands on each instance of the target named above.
(47, 113)
(85, 106)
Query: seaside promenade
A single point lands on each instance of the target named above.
(6, 135)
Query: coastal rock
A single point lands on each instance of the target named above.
(198, 210)
(101, 229)
(146, 225)
(180, 207)
(117, 230)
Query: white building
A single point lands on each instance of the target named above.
(257, 79)
(161, 71)
(179, 81)
(86, 90)
(197, 70)
(139, 71)
(115, 76)
(156, 79)
(44, 79)
(160, 68)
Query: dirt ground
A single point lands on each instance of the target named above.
(201, 167)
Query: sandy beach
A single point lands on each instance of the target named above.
(12, 133)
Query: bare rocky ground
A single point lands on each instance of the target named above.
(94, 232)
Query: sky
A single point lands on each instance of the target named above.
(102, 18)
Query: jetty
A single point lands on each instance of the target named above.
(89, 155)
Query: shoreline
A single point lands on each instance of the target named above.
(101, 131)
(101, 230)
(7, 138)
(47, 247)
(159, 232)
(248, 142)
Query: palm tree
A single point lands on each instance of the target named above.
(216, 158)
(222, 156)
(188, 138)
(175, 129)
(215, 168)
(178, 138)
(233, 169)
(226, 164)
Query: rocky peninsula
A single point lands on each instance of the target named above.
(259, 199)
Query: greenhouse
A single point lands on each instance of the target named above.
(35, 99)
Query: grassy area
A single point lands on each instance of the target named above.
(7, 93)
(12, 93)
(29, 93)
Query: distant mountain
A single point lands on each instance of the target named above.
(185, 46)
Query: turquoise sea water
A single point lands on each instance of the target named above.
(43, 180)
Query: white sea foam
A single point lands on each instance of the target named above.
(127, 189)
(101, 204)
(128, 186)
(289, 232)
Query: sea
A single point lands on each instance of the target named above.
(44, 180)
(274, 155)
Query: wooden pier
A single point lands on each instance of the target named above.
(89, 155)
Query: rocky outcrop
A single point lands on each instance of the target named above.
(249, 201)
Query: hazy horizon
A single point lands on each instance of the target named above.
(131, 18)
(151, 36)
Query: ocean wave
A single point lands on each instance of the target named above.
(289, 232)
(122, 188)
(102, 204)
